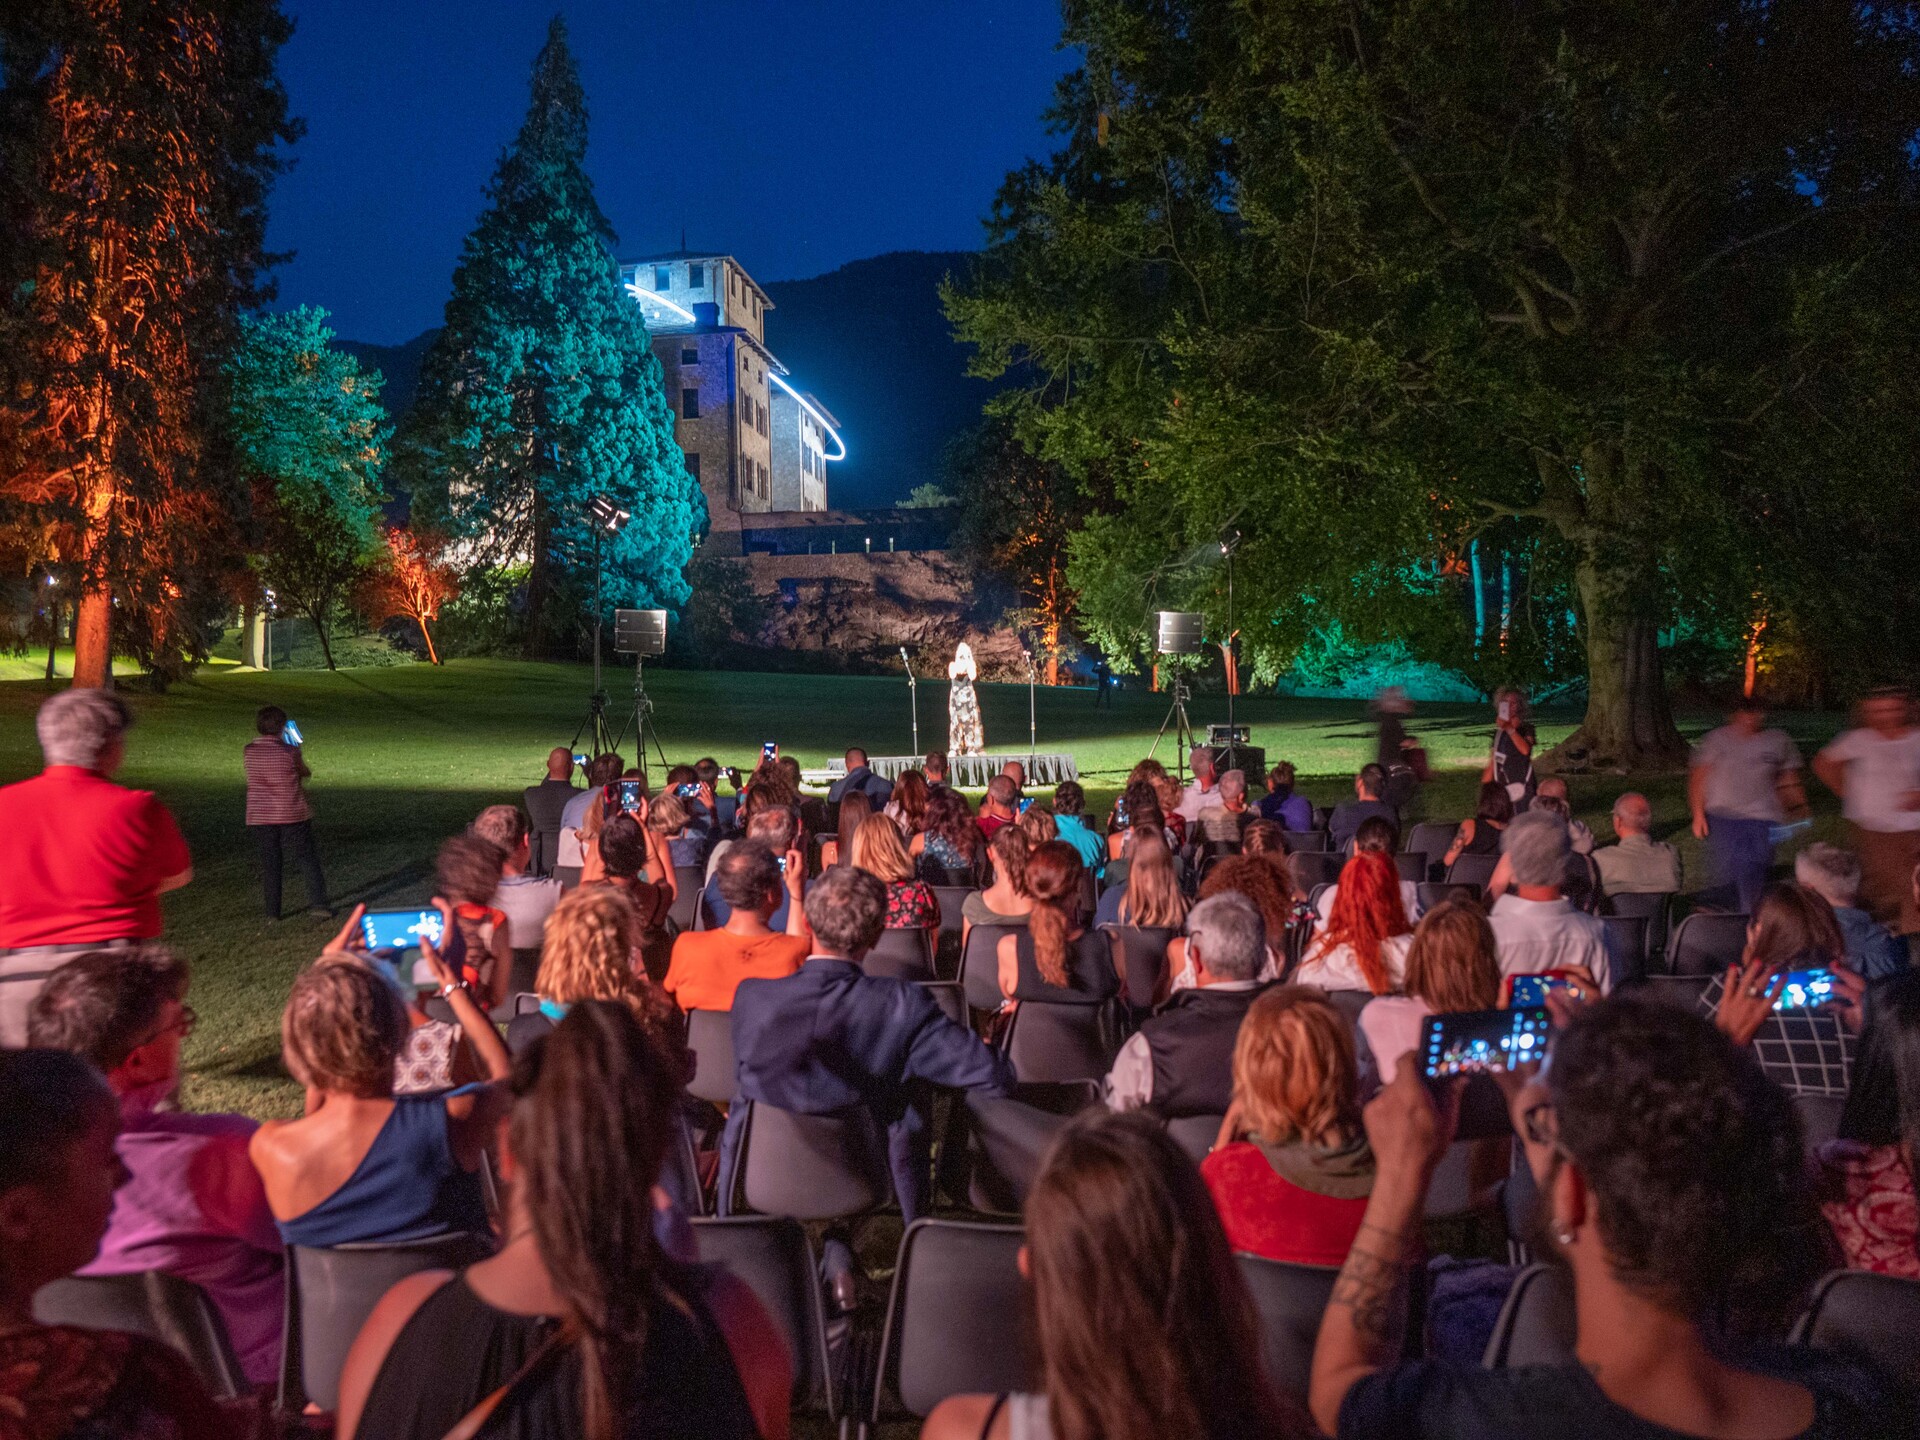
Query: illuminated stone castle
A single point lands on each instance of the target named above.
(757, 444)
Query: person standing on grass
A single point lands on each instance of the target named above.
(278, 816)
(1875, 770)
(85, 861)
(546, 810)
(1744, 780)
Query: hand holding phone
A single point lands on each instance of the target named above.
(769, 749)
(627, 795)
(688, 790)
(1806, 989)
(1472, 1042)
(290, 733)
(391, 931)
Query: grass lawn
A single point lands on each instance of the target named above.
(404, 756)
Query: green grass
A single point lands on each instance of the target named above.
(404, 756)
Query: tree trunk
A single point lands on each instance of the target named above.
(93, 638)
(539, 580)
(319, 618)
(433, 656)
(1629, 723)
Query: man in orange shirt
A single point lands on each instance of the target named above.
(708, 964)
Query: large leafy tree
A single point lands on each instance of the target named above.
(311, 436)
(1365, 279)
(543, 391)
(137, 148)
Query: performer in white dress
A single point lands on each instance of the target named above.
(964, 735)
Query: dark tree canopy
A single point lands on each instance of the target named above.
(1368, 281)
(543, 391)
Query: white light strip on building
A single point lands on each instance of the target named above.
(825, 424)
(635, 289)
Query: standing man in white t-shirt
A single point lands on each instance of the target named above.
(1744, 780)
(1875, 770)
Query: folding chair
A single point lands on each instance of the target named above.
(813, 1167)
(1051, 1043)
(951, 999)
(1706, 943)
(953, 899)
(1308, 841)
(1868, 1317)
(1314, 868)
(1290, 1299)
(156, 1306)
(710, 1039)
(1651, 908)
(1626, 948)
(1431, 840)
(903, 953)
(1145, 948)
(980, 964)
(953, 1323)
(1536, 1324)
(688, 882)
(1005, 1138)
(1412, 868)
(1474, 870)
(773, 1257)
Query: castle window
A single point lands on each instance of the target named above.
(696, 277)
(662, 278)
(689, 357)
(690, 404)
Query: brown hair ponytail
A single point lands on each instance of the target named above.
(1053, 880)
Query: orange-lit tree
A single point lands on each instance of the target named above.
(412, 578)
(136, 151)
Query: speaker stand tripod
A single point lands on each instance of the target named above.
(1182, 730)
(640, 721)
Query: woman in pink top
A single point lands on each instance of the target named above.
(1451, 966)
(1294, 1188)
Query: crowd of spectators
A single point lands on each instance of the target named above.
(518, 1094)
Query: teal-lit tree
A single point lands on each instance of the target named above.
(543, 391)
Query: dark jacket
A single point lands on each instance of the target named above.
(544, 803)
(1191, 1040)
(861, 778)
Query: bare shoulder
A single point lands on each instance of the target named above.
(964, 1417)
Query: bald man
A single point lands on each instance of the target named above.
(545, 802)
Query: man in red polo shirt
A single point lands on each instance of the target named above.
(83, 862)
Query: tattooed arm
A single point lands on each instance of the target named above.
(1366, 1314)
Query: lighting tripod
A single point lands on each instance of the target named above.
(640, 721)
(1182, 729)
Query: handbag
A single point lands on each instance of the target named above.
(537, 1364)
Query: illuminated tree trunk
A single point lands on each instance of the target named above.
(93, 639)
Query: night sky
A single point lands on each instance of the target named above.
(795, 136)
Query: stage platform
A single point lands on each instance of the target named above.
(968, 772)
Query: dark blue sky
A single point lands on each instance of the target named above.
(795, 136)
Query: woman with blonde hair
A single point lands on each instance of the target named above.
(1005, 901)
(1167, 791)
(1452, 966)
(1057, 959)
(592, 952)
(1364, 946)
(1292, 1170)
(878, 850)
(1151, 898)
(965, 736)
(1039, 824)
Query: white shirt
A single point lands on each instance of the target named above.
(1193, 799)
(1338, 968)
(1130, 1082)
(1532, 936)
(1880, 771)
(526, 901)
(1391, 1026)
(1409, 900)
(571, 819)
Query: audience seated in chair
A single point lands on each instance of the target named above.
(363, 1165)
(999, 806)
(546, 805)
(952, 844)
(1151, 899)
(1671, 1187)
(1873, 951)
(1368, 787)
(1580, 883)
(860, 780)
(1482, 834)
(1070, 825)
(708, 964)
(672, 818)
(776, 826)
(192, 1203)
(1201, 792)
(855, 811)
(1638, 864)
(1181, 1060)
(1005, 901)
(1268, 886)
(1171, 1347)
(1149, 834)
(593, 953)
(1554, 788)
(1221, 821)
(1060, 959)
(1036, 822)
(1291, 1172)
(1383, 836)
(1364, 943)
(829, 1039)
(878, 850)
(1282, 804)
(478, 937)
(907, 807)
(1805, 1052)
(525, 899)
(1866, 1177)
(646, 1344)
(58, 1173)
(1535, 927)
(1451, 967)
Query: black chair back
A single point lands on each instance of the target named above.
(1052, 1043)
(1349, 1003)
(1195, 1134)
(902, 953)
(954, 1323)
(1536, 1324)
(1314, 868)
(330, 1293)
(1310, 841)
(1474, 870)
(1682, 990)
(156, 1306)
(1007, 1135)
(980, 964)
(952, 899)
(1431, 840)
(1290, 1299)
(1626, 948)
(710, 1039)
(1145, 948)
(1438, 892)
(773, 1257)
(1654, 909)
(1412, 868)
(680, 1171)
(1706, 943)
(688, 881)
(814, 1167)
(951, 999)
(1867, 1317)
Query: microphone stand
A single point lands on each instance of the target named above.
(913, 697)
(1033, 729)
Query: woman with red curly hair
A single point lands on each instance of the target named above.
(1364, 945)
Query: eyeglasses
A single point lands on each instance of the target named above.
(183, 1024)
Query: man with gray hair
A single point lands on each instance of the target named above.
(86, 861)
(1222, 821)
(1834, 875)
(1181, 1061)
(999, 806)
(1535, 927)
(1639, 864)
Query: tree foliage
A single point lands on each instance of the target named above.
(138, 143)
(412, 578)
(543, 391)
(1370, 281)
(311, 437)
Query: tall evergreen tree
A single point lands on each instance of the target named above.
(137, 150)
(543, 391)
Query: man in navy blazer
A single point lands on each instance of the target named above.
(860, 777)
(831, 1038)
